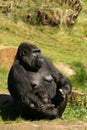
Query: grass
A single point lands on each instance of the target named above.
(75, 111)
(53, 42)
(79, 80)
(81, 74)
(3, 78)
(66, 45)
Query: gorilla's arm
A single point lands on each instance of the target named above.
(61, 81)
(20, 88)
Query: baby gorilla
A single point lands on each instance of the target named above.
(39, 89)
(42, 94)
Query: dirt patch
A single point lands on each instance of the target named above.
(65, 69)
(46, 125)
(7, 55)
(85, 65)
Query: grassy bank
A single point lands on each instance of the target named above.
(66, 45)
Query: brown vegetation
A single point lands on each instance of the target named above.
(65, 12)
(47, 15)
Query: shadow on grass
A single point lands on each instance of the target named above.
(7, 108)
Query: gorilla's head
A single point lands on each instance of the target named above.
(29, 56)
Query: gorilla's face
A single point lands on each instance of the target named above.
(30, 55)
(37, 59)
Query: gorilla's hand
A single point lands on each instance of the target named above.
(62, 94)
(43, 107)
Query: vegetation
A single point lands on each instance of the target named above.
(3, 78)
(76, 111)
(66, 45)
(80, 78)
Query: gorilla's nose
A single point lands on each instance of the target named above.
(41, 59)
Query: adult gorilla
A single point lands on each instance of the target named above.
(35, 84)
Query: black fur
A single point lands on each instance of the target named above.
(35, 84)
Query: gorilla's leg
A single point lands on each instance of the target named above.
(32, 113)
(61, 107)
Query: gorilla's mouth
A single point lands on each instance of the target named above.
(40, 61)
(37, 63)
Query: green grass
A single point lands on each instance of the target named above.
(66, 45)
(81, 75)
(75, 111)
(3, 78)
(79, 80)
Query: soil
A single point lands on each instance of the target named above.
(45, 125)
(7, 55)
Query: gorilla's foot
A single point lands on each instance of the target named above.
(50, 113)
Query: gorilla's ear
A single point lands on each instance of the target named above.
(22, 52)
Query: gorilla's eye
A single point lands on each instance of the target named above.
(34, 54)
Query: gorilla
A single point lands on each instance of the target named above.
(36, 86)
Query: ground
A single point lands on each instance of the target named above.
(46, 125)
